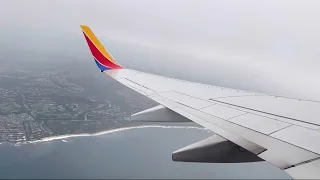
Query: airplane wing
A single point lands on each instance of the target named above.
(283, 131)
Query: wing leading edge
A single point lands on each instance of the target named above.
(283, 131)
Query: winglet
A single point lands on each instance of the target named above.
(101, 56)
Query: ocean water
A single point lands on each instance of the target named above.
(132, 153)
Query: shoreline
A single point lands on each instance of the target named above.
(66, 136)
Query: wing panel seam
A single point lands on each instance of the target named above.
(245, 128)
(214, 124)
(266, 112)
(140, 84)
(281, 129)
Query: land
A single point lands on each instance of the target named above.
(39, 102)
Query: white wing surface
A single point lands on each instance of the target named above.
(283, 131)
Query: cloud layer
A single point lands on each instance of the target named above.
(269, 46)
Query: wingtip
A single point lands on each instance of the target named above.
(103, 59)
(82, 26)
(85, 29)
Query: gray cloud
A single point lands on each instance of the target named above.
(269, 46)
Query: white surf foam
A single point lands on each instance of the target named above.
(112, 131)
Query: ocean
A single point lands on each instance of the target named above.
(128, 153)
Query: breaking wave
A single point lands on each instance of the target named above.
(63, 137)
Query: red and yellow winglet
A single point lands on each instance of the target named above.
(101, 56)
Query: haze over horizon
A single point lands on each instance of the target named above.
(265, 46)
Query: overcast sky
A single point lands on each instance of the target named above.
(267, 45)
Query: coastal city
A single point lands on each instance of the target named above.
(35, 105)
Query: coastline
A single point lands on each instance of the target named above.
(66, 136)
